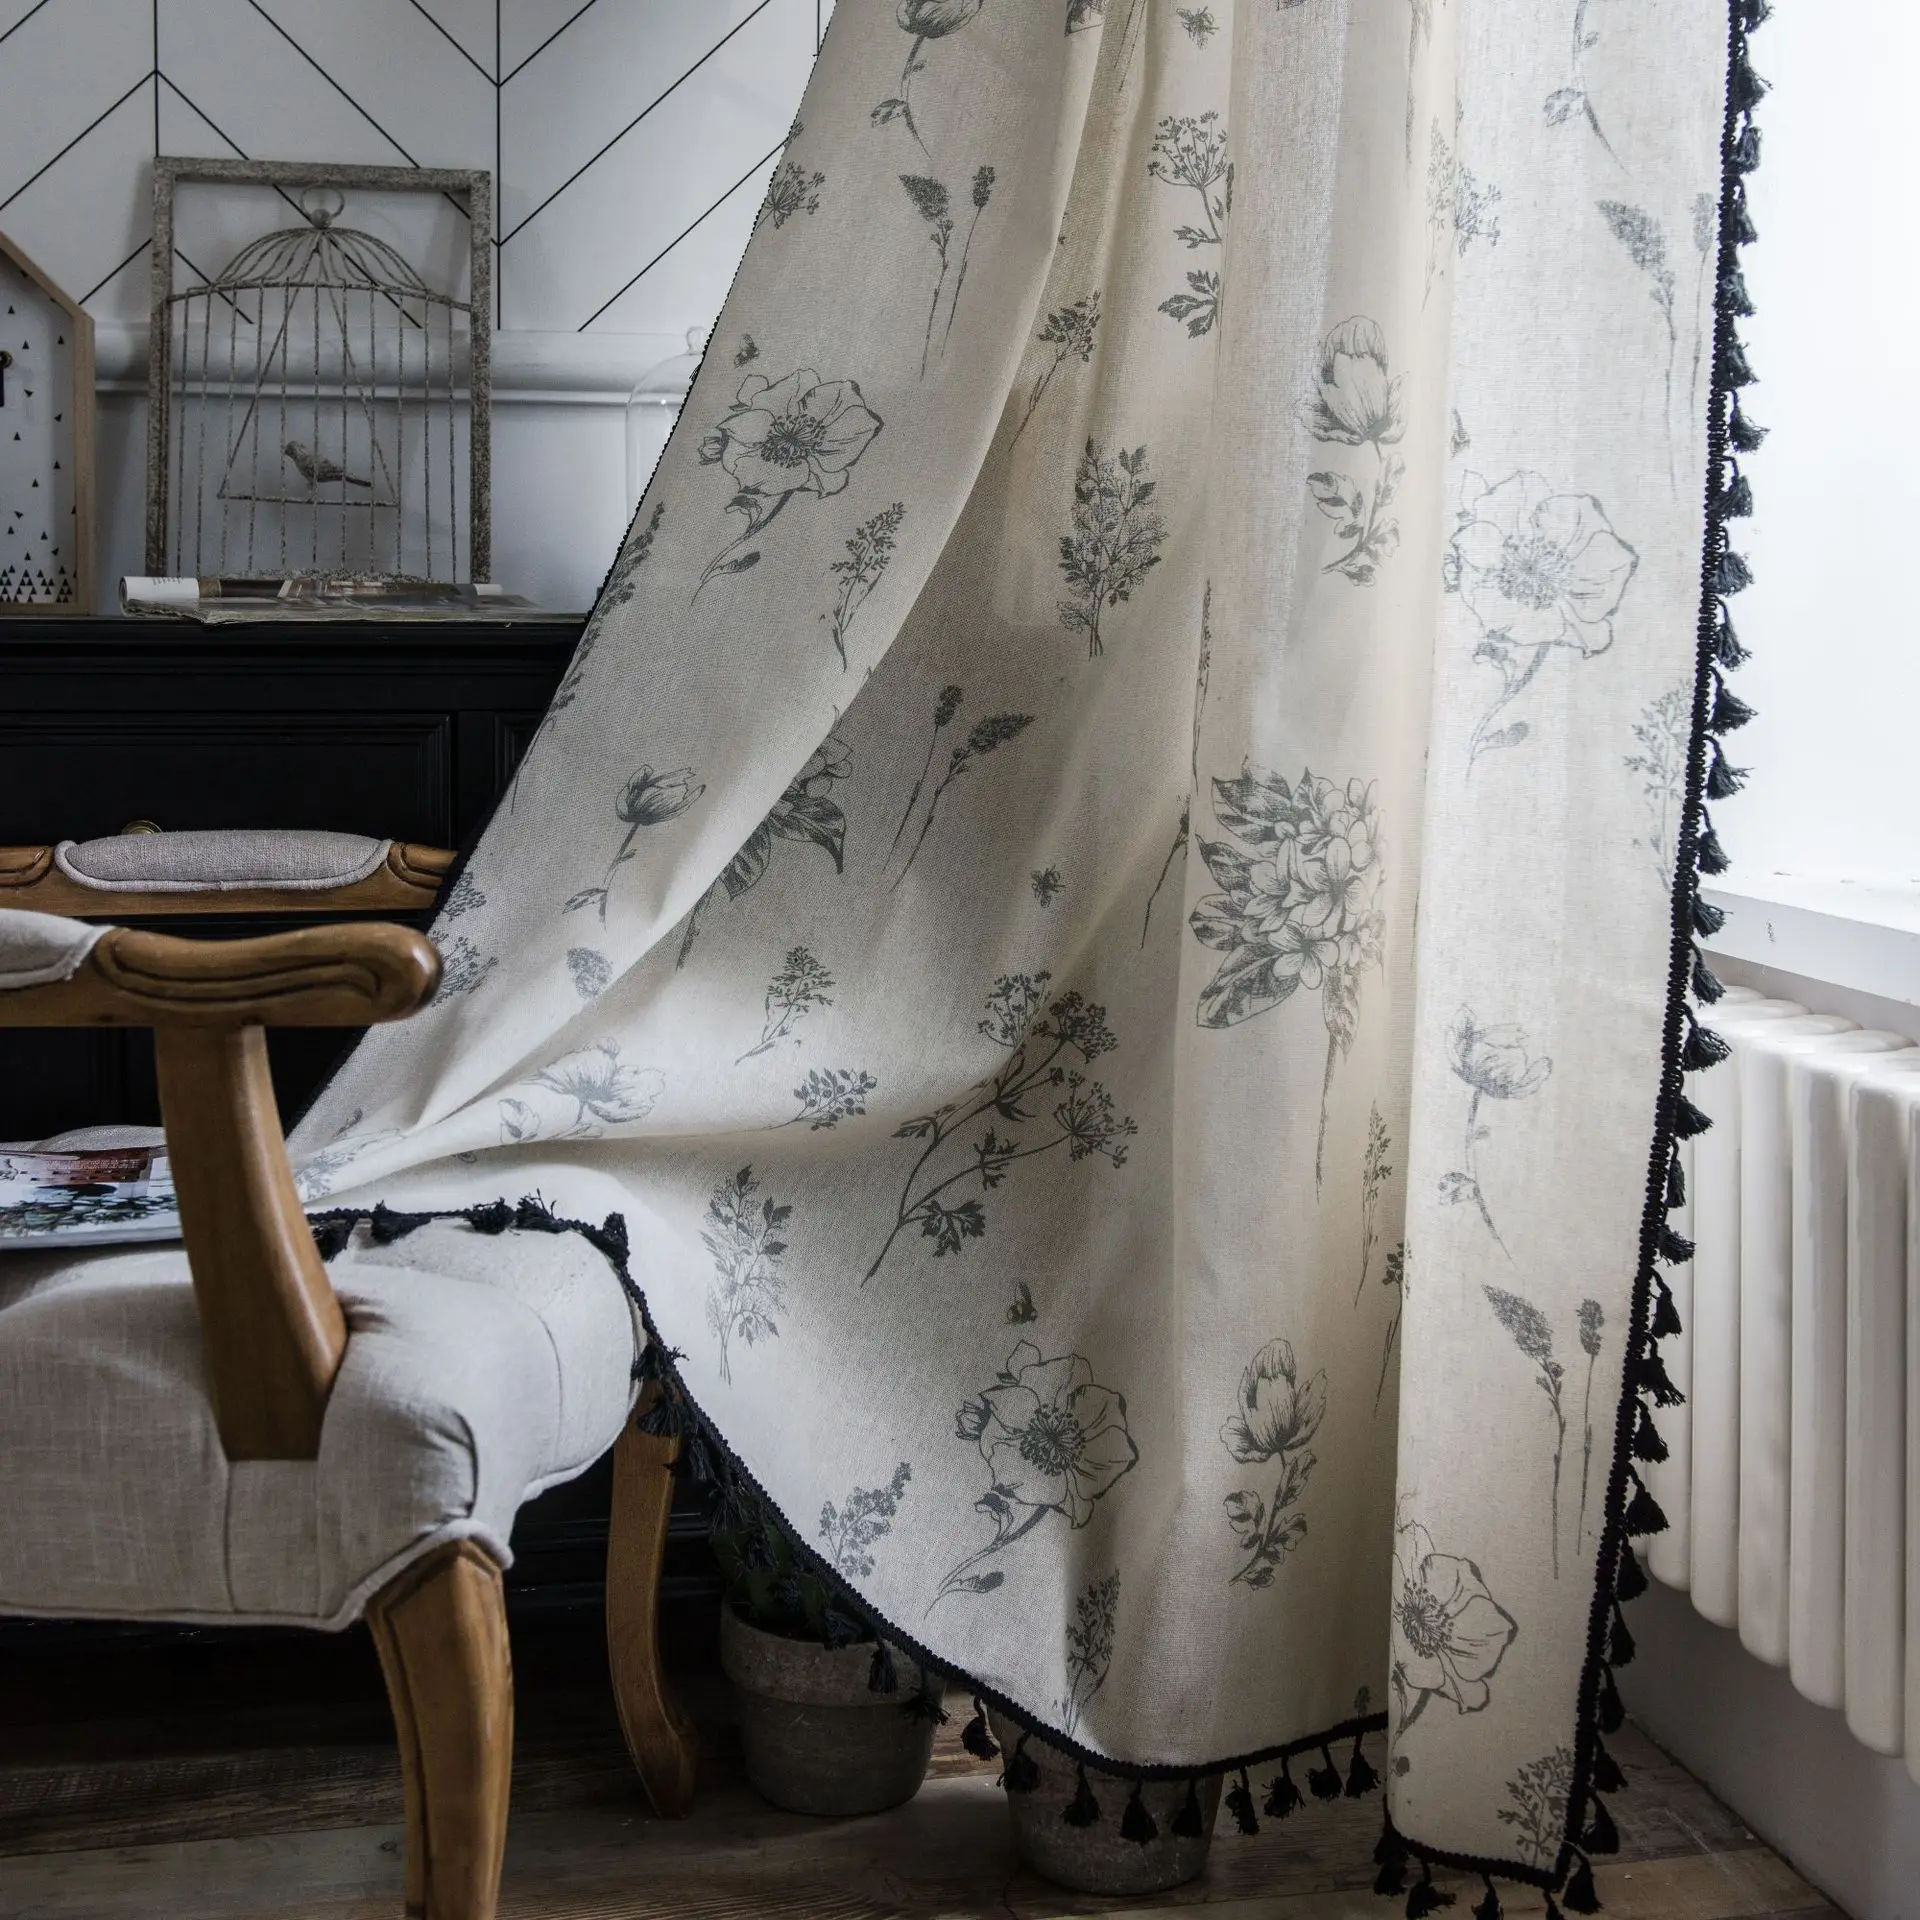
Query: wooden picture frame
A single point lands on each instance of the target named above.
(77, 390)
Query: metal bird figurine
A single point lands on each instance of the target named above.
(316, 468)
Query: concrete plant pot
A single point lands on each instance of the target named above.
(1099, 1858)
(817, 1739)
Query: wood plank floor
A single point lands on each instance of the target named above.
(229, 1785)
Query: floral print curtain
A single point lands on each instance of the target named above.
(1104, 896)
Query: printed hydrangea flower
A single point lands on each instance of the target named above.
(1449, 1633)
(1538, 568)
(797, 435)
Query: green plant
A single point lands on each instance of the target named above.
(769, 1584)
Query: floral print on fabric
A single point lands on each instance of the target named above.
(779, 440)
(1357, 403)
(749, 1281)
(1449, 1633)
(1053, 1440)
(1276, 1413)
(1298, 906)
(1542, 573)
(1089, 1647)
(1495, 1064)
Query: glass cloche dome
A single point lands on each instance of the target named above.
(652, 408)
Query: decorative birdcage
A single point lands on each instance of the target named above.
(319, 412)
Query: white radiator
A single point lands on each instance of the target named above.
(1792, 1482)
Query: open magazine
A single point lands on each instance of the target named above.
(82, 1192)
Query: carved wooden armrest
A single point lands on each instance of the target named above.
(273, 1330)
(408, 880)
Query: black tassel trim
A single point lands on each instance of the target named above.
(1601, 1836)
(1676, 1183)
(1734, 298)
(385, 1226)
(1083, 1809)
(1021, 1774)
(1655, 1382)
(1282, 1795)
(1646, 1444)
(1620, 1648)
(1240, 1804)
(1739, 370)
(925, 1705)
(1578, 1892)
(1729, 711)
(1423, 1897)
(1644, 1513)
(330, 1237)
(1611, 1715)
(1674, 1248)
(1689, 1123)
(1727, 650)
(1189, 1823)
(1630, 1578)
(882, 1675)
(1361, 1778)
(1731, 574)
(1136, 1823)
(1666, 1316)
(1553, 1911)
(1723, 780)
(1743, 435)
(1390, 1855)
(1607, 1777)
(495, 1217)
(977, 1737)
(1707, 921)
(1706, 983)
(1487, 1908)
(1323, 1781)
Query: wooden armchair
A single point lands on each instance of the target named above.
(232, 1432)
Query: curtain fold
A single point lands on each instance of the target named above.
(1107, 892)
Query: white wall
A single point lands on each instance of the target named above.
(1833, 620)
(631, 142)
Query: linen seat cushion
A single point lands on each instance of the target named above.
(479, 1370)
(224, 861)
(37, 949)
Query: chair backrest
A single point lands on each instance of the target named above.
(272, 1328)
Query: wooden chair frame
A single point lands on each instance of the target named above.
(275, 1334)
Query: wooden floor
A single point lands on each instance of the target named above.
(220, 1782)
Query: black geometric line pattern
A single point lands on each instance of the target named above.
(716, 35)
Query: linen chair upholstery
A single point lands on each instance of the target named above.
(148, 1470)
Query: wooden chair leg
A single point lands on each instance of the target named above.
(659, 1735)
(441, 1629)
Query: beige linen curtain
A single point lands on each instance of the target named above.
(1106, 894)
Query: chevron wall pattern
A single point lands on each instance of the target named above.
(630, 140)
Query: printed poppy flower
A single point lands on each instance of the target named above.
(1449, 1633)
(1494, 1060)
(797, 435)
(1355, 401)
(601, 1087)
(1276, 1411)
(935, 19)
(1051, 1436)
(650, 798)
(1539, 568)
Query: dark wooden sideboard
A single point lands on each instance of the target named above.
(404, 731)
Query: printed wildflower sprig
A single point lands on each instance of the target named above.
(800, 985)
(1040, 1052)
(1070, 332)
(1191, 152)
(1495, 1065)
(1115, 542)
(868, 554)
(1357, 403)
(1646, 243)
(983, 178)
(648, 799)
(829, 1095)
(852, 1529)
(742, 1234)
(925, 20)
(1089, 1638)
(1664, 731)
(932, 203)
(1534, 1337)
(1576, 97)
(1276, 1413)
(944, 708)
(983, 738)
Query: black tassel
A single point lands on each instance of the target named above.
(386, 1226)
(1136, 1823)
(1578, 1893)
(1754, 13)
(1601, 1836)
(1644, 1513)
(1676, 1183)
(1323, 1781)
(1707, 920)
(1553, 1912)
(1361, 1777)
(1743, 434)
(1731, 573)
(1021, 1774)
(1607, 1777)
(977, 1737)
(925, 1705)
(1710, 857)
(1620, 1651)
(1083, 1809)
(1391, 1854)
(1747, 89)
(1282, 1795)
(1607, 1709)
(1188, 1823)
(1666, 1316)
(1489, 1908)
(1734, 297)
(1727, 650)
(1240, 1804)
(1736, 370)
(330, 1237)
(881, 1674)
(495, 1217)
(1706, 983)
(1744, 154)
(1729, 711)
(1424, 1897)
(1674, 1248)
(1723, 781)
(1647, 1444)
(1688, 1121)
(1736, 498)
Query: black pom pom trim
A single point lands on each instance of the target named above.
(1283, 1797)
